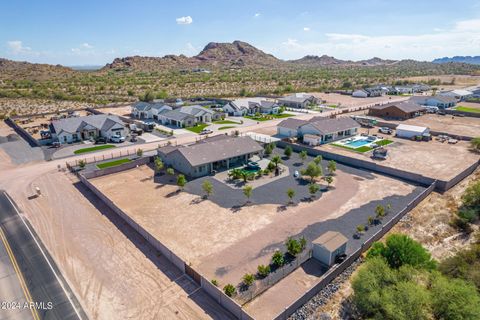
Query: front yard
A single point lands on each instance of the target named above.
(197, 128)
(468, 109)
(266, 117)
(95, 148)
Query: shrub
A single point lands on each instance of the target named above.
(332, 167)
(181, 181)
(313, 171)
(317, 160)
(288, 151)
(229, 290)
(468, 214)
(139, 152)
(207, 187)
(278, 259)
(248, 279)
(475, 144)
(313, 188)
(82, 164)
(462, 225)
(471, 196)
(293, 246)
(215, 282)
(290, 194)
(263, 271)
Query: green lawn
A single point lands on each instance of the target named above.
(112, 163)
(269, 116)
(198, 128)
(226, 127)
(467, 109)
(383, 142)
(96, 148)
(226, 122)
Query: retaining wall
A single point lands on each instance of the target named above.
(338, 269)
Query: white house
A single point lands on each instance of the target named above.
(409, 131)
(328, 129)
(89, 127)
(458, 94)
(245, 106)
(234, 108)
(188, 116)
(298, 100)
(146, 110)
(360, 93)
(289, 127)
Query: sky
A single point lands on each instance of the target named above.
(90, 32)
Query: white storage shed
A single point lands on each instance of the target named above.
(328, 246)
(408, 131)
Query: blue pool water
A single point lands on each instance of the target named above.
(358, 143)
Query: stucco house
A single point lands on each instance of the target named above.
(459, 94)
(298, 100)
(246, 106)
(146, 110)
(360, 93)
(441, 101)
(85, 128)
(264, 107)
(188, 116)
(209, 155)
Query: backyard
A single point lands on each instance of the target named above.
(271, 214)
(266, 117)
(113, 163)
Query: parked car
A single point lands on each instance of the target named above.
(296, 174)
(117, 139)
(206, 131)
(56, 144)
(385, 130)
(100, 140)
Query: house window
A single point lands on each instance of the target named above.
(75, 137)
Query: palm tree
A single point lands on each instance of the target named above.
(235, 173)
(276, 160)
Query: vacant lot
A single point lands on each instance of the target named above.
(432, 159)
(349, 101)
(124, 111)
(467, 126)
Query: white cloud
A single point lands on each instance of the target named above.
(83, 49)
(463, 38)
(257, 15)
(184, 20)
(86, 46)
(306, 29)
(17, 47)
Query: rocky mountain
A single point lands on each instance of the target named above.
(462, 59)
(320, 61)
(215, 55)
(375, 61)
(33, 71)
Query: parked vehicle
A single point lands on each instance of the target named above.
(296, 174)
(56, 144)
(117, 139)
(100, 140)
(385, 130)
(148, 127)
(206, 131)
(136, 130)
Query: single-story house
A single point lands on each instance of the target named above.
(76, 129)
(409, 131)
(459, 94)
(441, 101)
(245, 106)
(146, 110)
(329, 129)
(298, 100)
(289, 127)
(209, 155)
(188, 116)
(397, 110)
(360, 93)
(264, 106)
(329, 246)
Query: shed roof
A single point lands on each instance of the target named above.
(331, 240)
(408, 127)
(408, 106)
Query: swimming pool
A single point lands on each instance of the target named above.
(359, 142)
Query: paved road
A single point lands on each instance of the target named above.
(37, 276)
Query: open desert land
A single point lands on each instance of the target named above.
(25, 106)
(460, 81)
(213, 236)
(124, 111)
(432, 159)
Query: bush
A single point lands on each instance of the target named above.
(471, 196)
(288, 151)
(215, 282)
(263, 271)
(139, 152)
(461, 224)
(248, 279)
(293, 246)
(468, 214)
(278, 259)
(400, 250)
(229, 290)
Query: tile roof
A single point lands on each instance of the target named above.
(331, 125)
